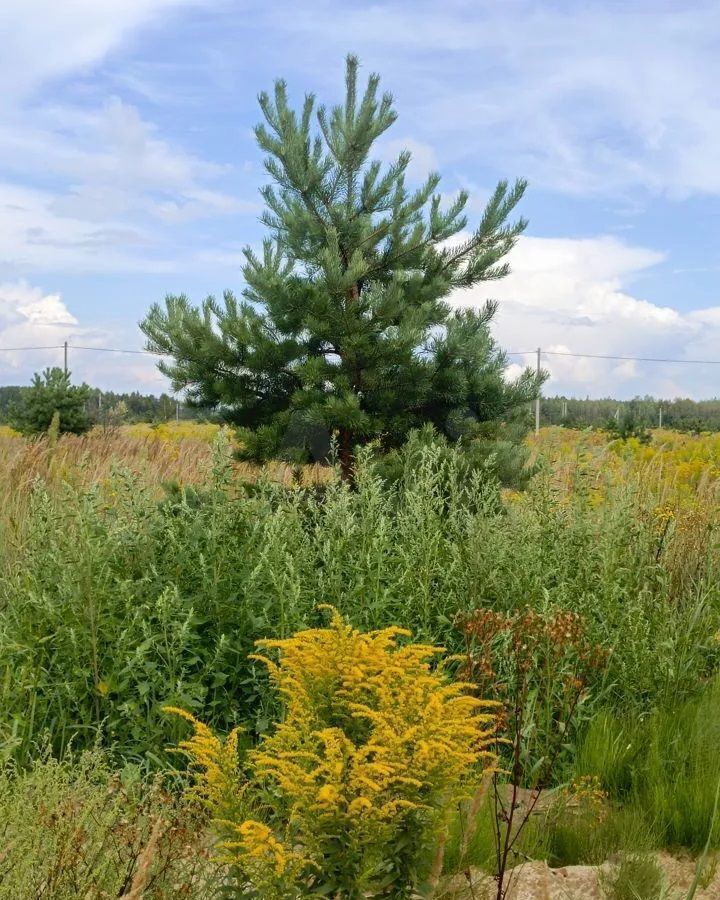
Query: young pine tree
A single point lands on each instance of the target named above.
(345, 327)
(51, 398)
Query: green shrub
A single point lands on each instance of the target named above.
(75, 829)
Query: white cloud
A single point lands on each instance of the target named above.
(118, 185)
(44, 39)
(90, 186)
(35, 234)
(423, 158)
(20, 303)
(32, 318)
(587, 98)
(573, 296)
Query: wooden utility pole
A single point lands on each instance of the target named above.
(65, 358)
(537, 399)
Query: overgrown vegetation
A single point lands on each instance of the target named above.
(79, 828)
(139, 572)
(351, 794)
(116, 600)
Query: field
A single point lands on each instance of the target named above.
(140, 567)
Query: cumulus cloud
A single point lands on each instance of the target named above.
(579, 296)
(22, 305)
(30, 317)
(35, 324)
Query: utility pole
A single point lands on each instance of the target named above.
(65, 362)
(537, 399)
(660, 417)
(177, 410)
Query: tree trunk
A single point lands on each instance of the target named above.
(347, 458)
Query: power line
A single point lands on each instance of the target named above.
(78, 347)
(23, 349)
(651, 359)
(115, 350)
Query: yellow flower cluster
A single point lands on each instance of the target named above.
(375, 745)
(676, 466)
(663, 516)
(258, 847)
(586, 795)
(216, 762)
(173, 431)
(370, 729)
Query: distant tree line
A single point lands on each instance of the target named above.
(99, 405)
(681, 414)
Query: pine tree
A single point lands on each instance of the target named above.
(345, 326)
(52, 396)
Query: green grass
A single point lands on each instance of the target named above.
(115, 601)
(636, 877)
(664, 766)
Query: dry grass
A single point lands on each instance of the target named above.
(181, 453)
(676, 468)
(142, 874)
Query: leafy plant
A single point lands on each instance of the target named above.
(538, 664)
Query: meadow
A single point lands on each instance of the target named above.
(141, 566)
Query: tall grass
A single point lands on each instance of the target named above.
(665, 766)
(170, 452)
(118, 597)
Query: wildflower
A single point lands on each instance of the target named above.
(258, 843)
(375, 744)
(216, 761)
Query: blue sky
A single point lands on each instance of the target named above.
(128, 167)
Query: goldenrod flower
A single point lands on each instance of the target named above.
(375, 742)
